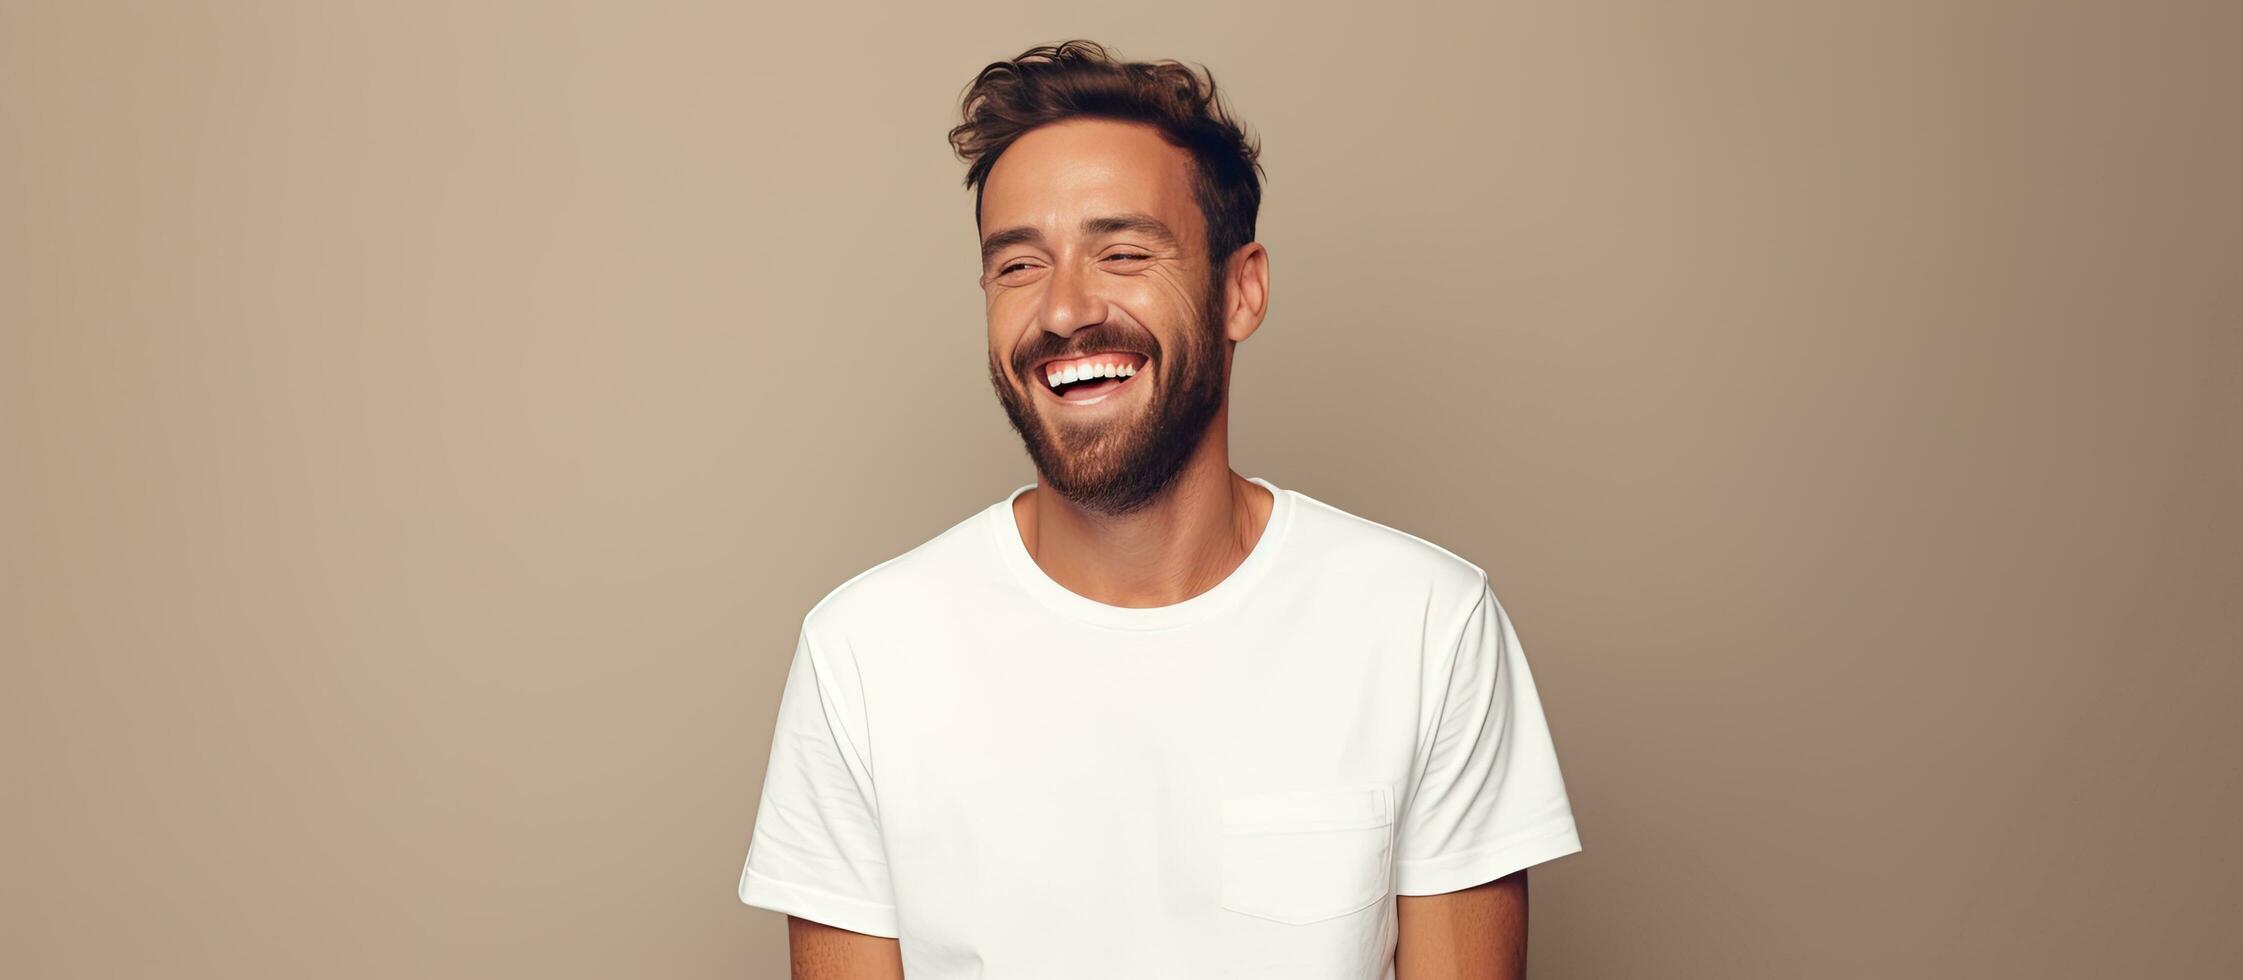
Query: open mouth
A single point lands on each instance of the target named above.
(1089, 378)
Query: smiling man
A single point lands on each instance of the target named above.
(1145, 717)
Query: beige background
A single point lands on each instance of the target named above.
(425, 429)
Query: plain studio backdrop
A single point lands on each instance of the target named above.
(426, 426)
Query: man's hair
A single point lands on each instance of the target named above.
(1048, 83)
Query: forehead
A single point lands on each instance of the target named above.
(1056, 174)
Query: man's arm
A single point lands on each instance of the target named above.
(1478, 933)
(816, 853)
(823, 952)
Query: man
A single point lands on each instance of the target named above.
(1145, 717)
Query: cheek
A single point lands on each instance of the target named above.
(1013, 309)
(1175, 290)
(1178, 294)
(1008, 323)
(1171, 311)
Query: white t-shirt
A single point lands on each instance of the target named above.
(1019, 782)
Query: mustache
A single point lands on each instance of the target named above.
(1048, 346)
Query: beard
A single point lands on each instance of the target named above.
(1117, 464)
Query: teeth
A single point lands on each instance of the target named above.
(1104, 369)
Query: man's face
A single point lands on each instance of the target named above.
(1094, 252)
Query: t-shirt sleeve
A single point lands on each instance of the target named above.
(816, 851)
(1491, 800)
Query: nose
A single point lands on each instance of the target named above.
(1070, 304)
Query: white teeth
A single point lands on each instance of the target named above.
(1081, 372)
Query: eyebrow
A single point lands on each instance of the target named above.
(1132, 222)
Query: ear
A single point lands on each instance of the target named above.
(1245, 291)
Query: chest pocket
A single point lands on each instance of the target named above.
(1305, 855)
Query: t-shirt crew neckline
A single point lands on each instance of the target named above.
(1005, 532)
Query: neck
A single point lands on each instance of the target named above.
(1182, 544)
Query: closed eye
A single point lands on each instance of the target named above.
(1118, 255)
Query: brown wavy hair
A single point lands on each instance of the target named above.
(1049, 83)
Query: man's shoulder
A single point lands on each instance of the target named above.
(1349, 540)
(917, 582)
